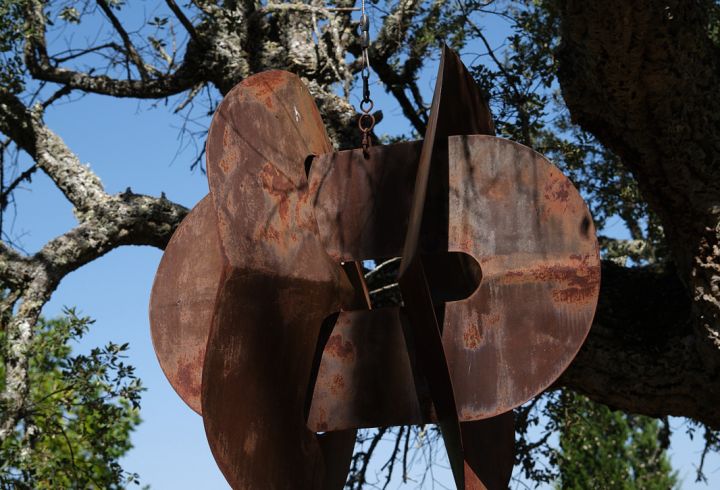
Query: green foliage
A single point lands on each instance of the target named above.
(714, 22)
(70, 14)
(11, 35)
(82, 411)
(573, 443)
(601, 448)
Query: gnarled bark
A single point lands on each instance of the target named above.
(644, 78)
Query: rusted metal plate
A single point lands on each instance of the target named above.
(365, 377)
(182, 300)
(278, 286)
(337, 450)
(421, 325)
(361, 202)
(189, 276)
(458, 107)
(462, 107)
(337, 447)
(532, 234)
(489, 450)
(454, 89)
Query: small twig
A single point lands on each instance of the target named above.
(393, 457)
(381, 266)
(189, 27)
(131, 51)
(405, 455)
(5, 195)
(368, 454)
(191, 95)
(78, 53)
(62, 92)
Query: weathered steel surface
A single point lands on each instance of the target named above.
(261, 317)
(458, 107)
(529, 231)
(421, 324)
(489, 451)
(532, 234)
(365, 377)
(183, 298)
(278, 286)
(454, 87)
(337, 450)
(361, 203)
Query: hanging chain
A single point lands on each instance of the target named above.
(366, 122)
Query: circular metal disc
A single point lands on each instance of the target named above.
(532, 234)
(182, 300)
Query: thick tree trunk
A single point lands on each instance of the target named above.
(644, 78)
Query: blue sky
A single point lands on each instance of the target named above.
(132, 144)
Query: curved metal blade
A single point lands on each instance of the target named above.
(504, 200)
(183, 298)
(458, 107)
(454, 89)
(489, 450)
(277, 289)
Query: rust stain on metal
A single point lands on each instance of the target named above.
(261, 319)
(182, 300)
(558, 190)
(341, 349)
(338, 383)
(472, 336)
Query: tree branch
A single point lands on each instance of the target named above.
(641, 353)
(7, 191)
(122, 219)
(15, 270)
(393, 33)
(396, 85)
(644, 78)
(76, 181)
(106, 222)
(132, 53)
(41, 67)
(184, 20)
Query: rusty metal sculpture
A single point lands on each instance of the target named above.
(261, 318)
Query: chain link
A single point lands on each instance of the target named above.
(366, 122)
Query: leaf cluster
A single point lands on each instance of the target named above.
(602, 448)
(82, 410)
(11, 36)
(571, 442)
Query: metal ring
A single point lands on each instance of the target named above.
(366, 128)
(365, 40)
(364, 102)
